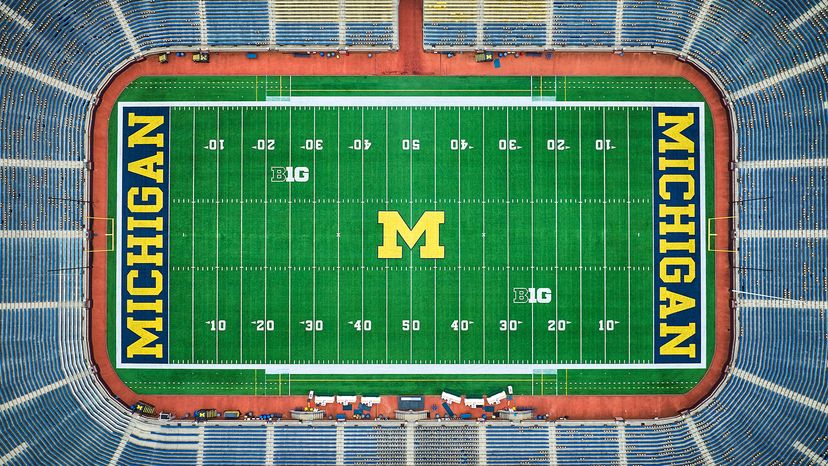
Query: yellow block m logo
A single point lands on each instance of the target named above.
(428, 225)
(678, 124)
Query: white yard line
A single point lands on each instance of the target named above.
(629, 257)
(532, 216)
(483, 195)
(338, 239)
(266, 265)
(411, 219)
(290, 241)
(386, 260)
(241, 238)
(314, 234)
(459, 248)
(435, 260)
(362, 234)
(604, 234)
(218, 145)
(192, 255)
(508, 251)
(580, 246)
(557, 318)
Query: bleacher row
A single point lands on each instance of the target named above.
(772, 407)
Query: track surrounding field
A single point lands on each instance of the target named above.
(535, 194)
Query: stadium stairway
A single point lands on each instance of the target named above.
(768, 57)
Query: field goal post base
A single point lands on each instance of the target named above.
(108, 235)
(711, 237)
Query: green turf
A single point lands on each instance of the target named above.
(246, 251)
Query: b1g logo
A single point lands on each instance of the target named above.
(531, 295)
(289, 174)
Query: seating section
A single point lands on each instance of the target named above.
(770, 62)
(352, 24)
(232, 23)
(305, 444)
(587, 444)
(158, 24)
(380, 443)
(509, 444)
(446, 443)
(530, 25)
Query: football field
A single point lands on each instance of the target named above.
(278, 234)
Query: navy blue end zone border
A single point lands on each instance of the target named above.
(679, 249)
(143, 243)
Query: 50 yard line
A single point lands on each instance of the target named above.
(386, 260)
(435, 260)
(411, 217)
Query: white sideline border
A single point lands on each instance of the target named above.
(419, 369)
(418, 102)
(415, 101)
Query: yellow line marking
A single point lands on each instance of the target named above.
(566, 387)
(257, 88)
